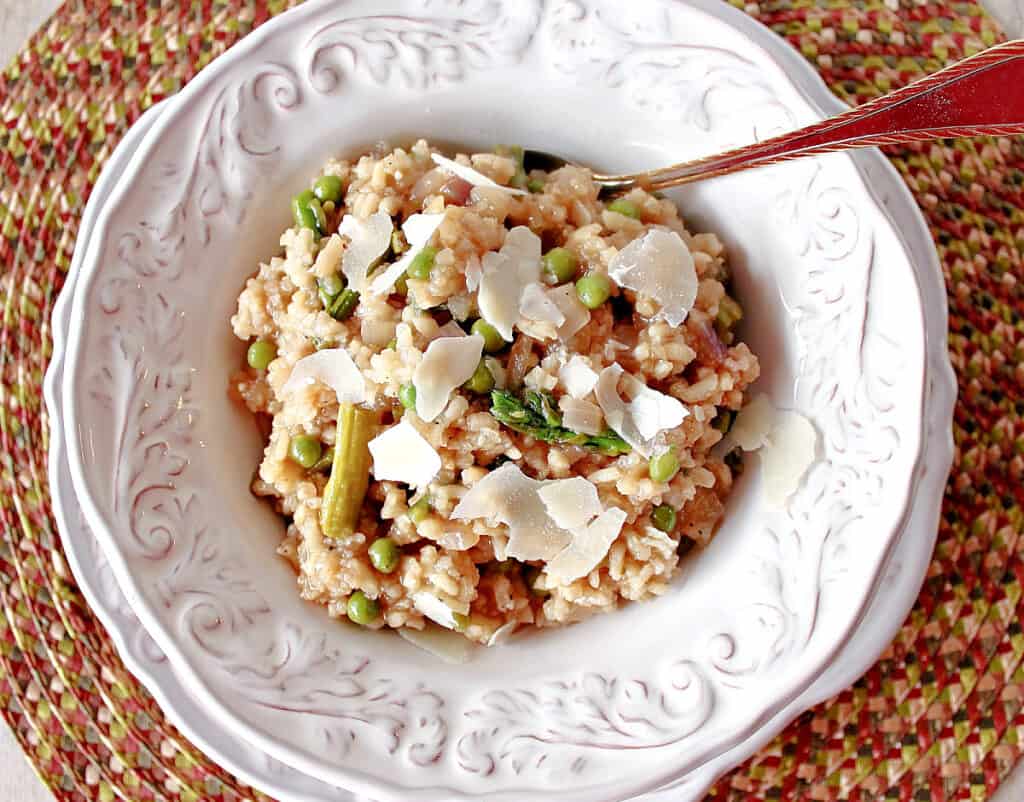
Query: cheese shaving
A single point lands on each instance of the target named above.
(471, 176)
(368, 240)
(753, 424)
(451, 647)
(508, 496)
(640, 420)
(435, 609)
(333, 367)
(570, 503)
(790, 451)
(588, 548)
(575, 313)
(448, 363)
(658, 265)
(506, 274)
(503, 633)
(402, 454)
(536, 305)
(581, 416)
(418, 230)
(577, 377)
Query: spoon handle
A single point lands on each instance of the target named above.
(982, 95)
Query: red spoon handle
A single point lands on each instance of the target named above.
(981, 95)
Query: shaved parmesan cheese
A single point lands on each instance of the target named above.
(435, 609)
(333, 367)
(503, 633)
(577, 377)
(753, 424)
(570, 503)
(640, 420)
(536, 305)
(508, 496)
(575, 313)
(474, 272)
(506, 274)
(791, 449)
(658, 265)
(581, 416)
(418, 230)
(448, 363)
(368, 241)
(451, 647)
(471, 176)
(402, 454)
(587, 549)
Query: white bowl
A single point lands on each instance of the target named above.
(161, 460)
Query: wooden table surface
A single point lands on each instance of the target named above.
(18, 19)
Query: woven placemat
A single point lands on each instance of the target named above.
(938, 717)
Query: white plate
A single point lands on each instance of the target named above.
(229, 617)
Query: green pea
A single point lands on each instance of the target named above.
(493, 341)
(420, 510)
(481, 381)
(345, 304)
(326, 462)
(535, 185)
(461, 621)
(384, 555)
(623, 206)
(308, 212)
(663, 466)
(260, 354)
(664, 518)
(305, 449)
(560, 264)
(407, 395)
(328, 188)
(422, 263)
(361, 609)
(594, 289)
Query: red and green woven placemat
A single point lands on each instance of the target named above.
(938, 717)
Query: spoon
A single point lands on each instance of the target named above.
(982, 95)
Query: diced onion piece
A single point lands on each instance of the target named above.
(503, 633)
(575, 313)
(581, 416)
(588, 548)
(402, 454)
(497, 371)
(470, 175)
(658, 265)
(535, 304)
(418, 230)
(448, 363)
(754, 423)
(333, 367)
(508, 496)
(369, 239)
(577, 377)
(791, 449)
(451, 647)
(640, 420)
(506, 274)
(570, 503)
(435, 609)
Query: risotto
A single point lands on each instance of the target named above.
(491, 399)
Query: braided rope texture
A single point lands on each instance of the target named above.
(939, 717)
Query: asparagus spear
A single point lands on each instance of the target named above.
(536, 414)
(350, 474)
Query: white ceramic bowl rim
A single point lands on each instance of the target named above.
(100, 518)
